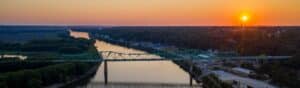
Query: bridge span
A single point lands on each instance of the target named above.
(121, 59)
(137, 55)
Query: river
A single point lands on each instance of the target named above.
(135, 73)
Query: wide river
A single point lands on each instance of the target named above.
(137, 72)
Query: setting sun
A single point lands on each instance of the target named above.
(244, 18)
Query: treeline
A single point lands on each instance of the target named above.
(66, 45)
(16, 73)
(280, 41)
(20, 65)
(283, 73)
(85, 28)
(45, 76)
(211, 81)
(180, 37)
(248, 41)
(31, 29)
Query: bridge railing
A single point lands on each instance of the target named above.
(120, 56)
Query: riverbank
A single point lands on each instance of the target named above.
(44, 76)
(37, 75)
(70, 83)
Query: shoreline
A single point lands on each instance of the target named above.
(76, 79)
(92, 71)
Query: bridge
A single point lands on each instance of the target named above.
(121, 57)
(180, 57)
(190, 71)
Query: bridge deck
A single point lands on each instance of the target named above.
(137, 59)
(159, 59)
(139, 85)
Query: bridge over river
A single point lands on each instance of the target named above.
(120, 56)
(113, 56)
(131, 68)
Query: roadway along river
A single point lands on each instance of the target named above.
(141, 72)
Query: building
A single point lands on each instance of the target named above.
(241, 82)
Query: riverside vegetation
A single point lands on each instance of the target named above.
(35, 75)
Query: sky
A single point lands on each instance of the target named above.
(150, 12)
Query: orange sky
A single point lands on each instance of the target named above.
(149, 12)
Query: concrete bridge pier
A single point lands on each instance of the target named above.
(105, 72)
(191, 72)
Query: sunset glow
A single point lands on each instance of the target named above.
(244, 18)
(149, 12)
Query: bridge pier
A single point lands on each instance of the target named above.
(191, 72)
(191, 80)
(105, 72)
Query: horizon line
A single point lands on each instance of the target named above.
(147, 25)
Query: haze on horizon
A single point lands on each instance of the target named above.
(149, 12)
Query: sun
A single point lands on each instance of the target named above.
(244, 18)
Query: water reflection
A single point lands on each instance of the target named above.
(139, 72)
(104, 46)
(76, 34)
